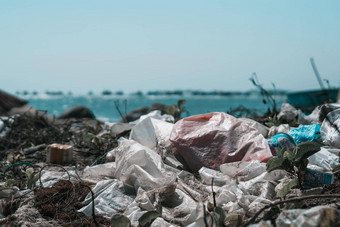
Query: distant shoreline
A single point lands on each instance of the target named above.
(157, 93)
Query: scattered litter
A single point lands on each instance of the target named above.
(330, 129)
(316, 216)
(281, 141)
(213, 139)
(209, 169)
(58, 153)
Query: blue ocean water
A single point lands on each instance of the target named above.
(104, 106)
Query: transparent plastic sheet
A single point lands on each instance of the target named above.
(326, 160)
(312, 118)
(330, 129)
(316, 216)
(260, 127)
(243, 170)
(288, 113)
(207, 175)
(91, 174)
(134, 212)
(284, 128)
(247, 184)
(48, 178)
(156, 114)
(160, 222)
(152, 132)
(138, 165)
(3, 129)
(262, 224)
(186, 210)
(326, 109)
(215, 138)
(116, 128)
(177, 206)
(109, 199)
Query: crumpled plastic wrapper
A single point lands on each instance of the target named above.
(330, 129)
(316, 216)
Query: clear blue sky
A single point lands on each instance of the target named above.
(147, 45)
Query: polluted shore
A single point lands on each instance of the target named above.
(158, 167)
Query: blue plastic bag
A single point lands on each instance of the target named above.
(306, 133)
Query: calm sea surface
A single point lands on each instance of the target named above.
(104, 106)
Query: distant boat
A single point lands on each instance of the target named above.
(308, 100)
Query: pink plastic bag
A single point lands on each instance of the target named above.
(215, 138)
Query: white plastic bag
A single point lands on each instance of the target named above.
(324, 159)
(109, 199)
(330, 129)
(156, 114)
(138, 165)
(316, 216)
(150, 132)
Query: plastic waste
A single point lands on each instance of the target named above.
(260, 127)
(312, 118)
(325, 159)
(306, 133)
(109, 199)
(330, 129)
(207, 176)
(177, 206)
(316, 216)
(326, 109)
(215, 138)
(243, 170)
(139, 166)
(116, 129)
(262, 224)
(281, 141)
(288, 113)
(152, 132)
(156, 114)
(98, 172)
(315, 178)
(283, 128)
(160, 222)
(3, 128)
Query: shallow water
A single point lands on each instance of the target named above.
(104, 106)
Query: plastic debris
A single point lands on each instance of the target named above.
(306, 133)
(315, 178)
(325, 159)
(138, 165)
(288, 113)
(109, 199)
(215, 138)
(316, 216)
(330, 129)
(116, 129)
(281, 141)
(156, 114)
(146, 182)
(152, 132)
(283, 128)
(264, 130)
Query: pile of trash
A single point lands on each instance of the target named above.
(206, 170)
